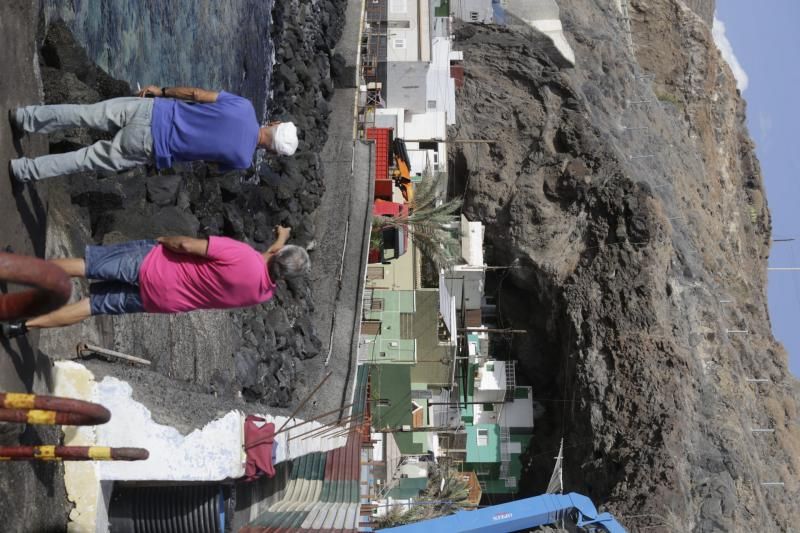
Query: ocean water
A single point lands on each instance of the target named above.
(213, 44)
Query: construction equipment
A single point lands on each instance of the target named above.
(520, 515)
(401, 173)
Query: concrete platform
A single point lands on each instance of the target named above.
(26, 488)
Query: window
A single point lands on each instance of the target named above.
(370, 327)
(431, 104)
(483, 437)
(374, 272)
(490, 367)
(473, 16)
(399, 43)
(376, 304)
(488, 407)
(406, 325)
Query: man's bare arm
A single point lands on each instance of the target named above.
(192, 94)
(281, 238)
(185, 245)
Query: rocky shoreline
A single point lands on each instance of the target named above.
(258, 353)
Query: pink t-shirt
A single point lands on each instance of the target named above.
(232, 275)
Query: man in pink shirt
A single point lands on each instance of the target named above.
(172, 275)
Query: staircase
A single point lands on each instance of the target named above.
(511, 380)
(505, 458)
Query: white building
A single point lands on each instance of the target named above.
(480, 11)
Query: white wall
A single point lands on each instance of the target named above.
(544, 16)
(426, 126)
(473, 10)
(411, 43)
(519, 413)
(441, 88)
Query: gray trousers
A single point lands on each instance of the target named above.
(132, 145)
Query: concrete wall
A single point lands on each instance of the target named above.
(441, 89)
(519, 413)
(473, 10)
(408, 29)
(544, 16)
(406, 85)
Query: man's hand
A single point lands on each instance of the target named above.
(185, 245)
(151, 91)
(281, 237)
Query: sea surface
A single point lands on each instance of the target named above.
(212, 44)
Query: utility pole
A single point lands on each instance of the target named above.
(493, 330)
(463, 141)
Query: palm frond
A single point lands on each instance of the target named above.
(428, 223)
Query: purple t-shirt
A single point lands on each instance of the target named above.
(225, 132)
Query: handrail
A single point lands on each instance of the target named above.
(72, 453)
(36, 409)
(51, 286)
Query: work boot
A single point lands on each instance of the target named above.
(10, 330)
(16, 127)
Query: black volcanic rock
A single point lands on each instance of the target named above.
(195, 199)
(620, 264)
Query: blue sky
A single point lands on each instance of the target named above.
(763, 43)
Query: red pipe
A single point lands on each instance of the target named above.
(51, 284)
(72, 453)
(35, 409)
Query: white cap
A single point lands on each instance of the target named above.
(284, 138)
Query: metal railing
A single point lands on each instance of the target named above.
(51, 286)
(35, 409)
(511, 380)
(51, 290)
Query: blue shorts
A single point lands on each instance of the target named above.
(117, 266)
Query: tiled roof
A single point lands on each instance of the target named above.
(322, 494)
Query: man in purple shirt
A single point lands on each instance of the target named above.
(162, 126)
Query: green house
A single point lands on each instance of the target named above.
(402, 328)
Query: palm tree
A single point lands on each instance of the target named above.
(427, 223)
(445, 493)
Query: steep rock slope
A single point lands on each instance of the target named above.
(632, 211)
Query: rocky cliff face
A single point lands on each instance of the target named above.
(626, 197)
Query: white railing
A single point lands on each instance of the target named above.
(505, 456)
(511, 380)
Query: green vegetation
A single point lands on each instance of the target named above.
(427, 223)
(445, 494)
(669, 98)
